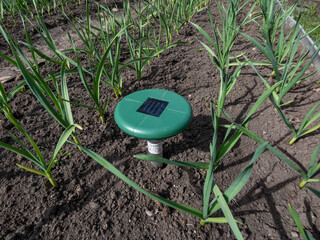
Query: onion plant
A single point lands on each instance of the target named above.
(11, 8)
(107, 35)
(4, 100)
(113, 68)
(165, 16)
(186, 10)
(43, 6)
(37, 157)
(273, 18)
(151, 33)
(307, 126)
(282, 53)
(138, 13)
(33, 64)
(94, 91)
(48, 41)
(173, 15)
(291, 71)
(221, 44)
(59, 56)
(47, 6)
(111, 23)
(309, 119)
(145, 46)
(45, 36)
(219, 48)
(57, 104)
(314, 167)
(35, 53)
(307, 177)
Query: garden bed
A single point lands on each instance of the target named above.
(92, 203)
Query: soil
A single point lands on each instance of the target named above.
(92, 203)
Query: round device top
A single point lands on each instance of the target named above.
(153, 114)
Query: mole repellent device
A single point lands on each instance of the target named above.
(153, 114)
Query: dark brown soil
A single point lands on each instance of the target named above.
(91, 203)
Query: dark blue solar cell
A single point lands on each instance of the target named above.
(153, 107)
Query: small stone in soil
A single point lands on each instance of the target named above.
(149, 213)
(294, 235)
(165, 211)
(93, 205)
(79, 191)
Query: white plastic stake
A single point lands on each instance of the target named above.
(155, 148)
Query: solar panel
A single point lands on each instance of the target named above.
(153, 107)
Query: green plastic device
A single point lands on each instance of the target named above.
(153, 114)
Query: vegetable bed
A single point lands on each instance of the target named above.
(90, 202)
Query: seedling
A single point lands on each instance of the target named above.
(38, 159)
(57, 104)
(281, 53)
(282, 57)
(314, 167)
(146, 46)
(306, 125)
